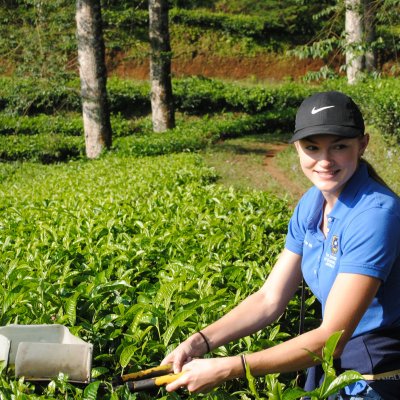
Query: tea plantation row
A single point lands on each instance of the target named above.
(42, 122)
(132, 254)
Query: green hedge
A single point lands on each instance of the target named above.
(193, 135)
(379, 100)
(133, 255)
(67, 125)
(131, 98)
(29, 96)
(243, 25)
(251, 109)
(44, 144)
(44, 148)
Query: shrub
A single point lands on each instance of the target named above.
(45, 148)
(203, 95)
(67, 125)
(132, 254)
(33, 96)
(379, 100)
(128, 97)
(193, 95)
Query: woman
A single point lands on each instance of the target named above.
(344, 239)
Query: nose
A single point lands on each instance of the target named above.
(326, 159)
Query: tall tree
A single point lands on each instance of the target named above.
(370, 9)
(93, 76)
(354, 37)
(163, 115)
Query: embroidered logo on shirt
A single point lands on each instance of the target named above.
(334, 244)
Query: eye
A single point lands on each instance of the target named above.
(340, 146)
(311, 147)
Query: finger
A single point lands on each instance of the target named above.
(168, 359)
(177, 366)
(177, 384)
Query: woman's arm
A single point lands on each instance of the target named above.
(348, 300)
(251, 315)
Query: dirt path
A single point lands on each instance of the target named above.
(277, 173)
(252, 163)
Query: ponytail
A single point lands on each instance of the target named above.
(374, 175)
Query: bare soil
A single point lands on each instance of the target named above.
(295, 189)
(251, 162)
(263, 67)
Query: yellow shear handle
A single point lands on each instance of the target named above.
(152, 383)
(148, 373)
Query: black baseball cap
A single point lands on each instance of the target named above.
(332, 113)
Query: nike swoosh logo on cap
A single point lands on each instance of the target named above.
(317, 110)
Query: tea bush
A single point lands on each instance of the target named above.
(379, 100)
(44, 148)
(196, 134)
(36, 96)
(133, 254)
(70, 124)
(132, 98)
(243, 25)
(51, 139)
(203, 95)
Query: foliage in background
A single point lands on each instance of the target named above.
(331, 44)
(37, 37)
(41, 121)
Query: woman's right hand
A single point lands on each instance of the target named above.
(194, 346)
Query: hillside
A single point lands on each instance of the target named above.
(238, 39)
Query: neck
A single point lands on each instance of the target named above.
(330, 201)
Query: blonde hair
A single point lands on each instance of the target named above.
(373, 174)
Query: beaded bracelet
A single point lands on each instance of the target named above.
(205, 340)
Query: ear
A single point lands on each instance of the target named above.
(364, 140)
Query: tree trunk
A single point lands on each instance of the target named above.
(93, 75)
(370, 35)
(162, 106)
(354, 36)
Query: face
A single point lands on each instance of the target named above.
(329, 161)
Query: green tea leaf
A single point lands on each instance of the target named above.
(70, 308)
(343, 380)
(90, 392)
(126, 355)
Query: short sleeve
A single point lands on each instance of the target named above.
(371, 243)
(296, 232)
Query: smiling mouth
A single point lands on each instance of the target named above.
(327, 174)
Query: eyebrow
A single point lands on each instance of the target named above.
(338, 139)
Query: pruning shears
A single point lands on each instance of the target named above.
(148, 379)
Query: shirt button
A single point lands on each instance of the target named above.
(330, 219)
(327, 229)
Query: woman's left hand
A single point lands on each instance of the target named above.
(202, 375)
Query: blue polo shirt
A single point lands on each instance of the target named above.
(363, 238)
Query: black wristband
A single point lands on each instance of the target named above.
(205, 340)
